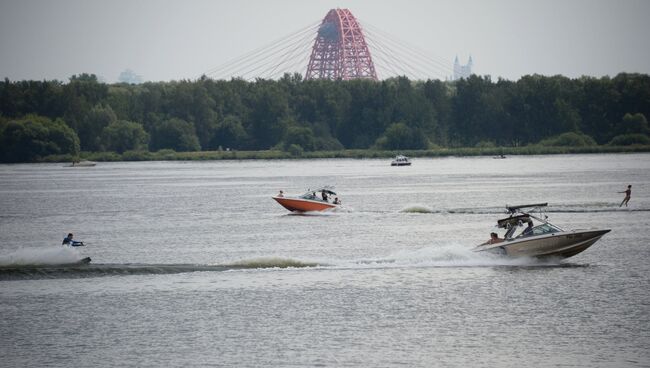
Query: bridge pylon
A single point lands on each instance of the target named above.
(340, 50)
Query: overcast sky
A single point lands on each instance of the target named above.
(174, 39)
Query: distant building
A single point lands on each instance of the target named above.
(462, 71)
(129, 76)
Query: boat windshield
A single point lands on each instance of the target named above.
(318, 195)
(309, 195)
(545, 228)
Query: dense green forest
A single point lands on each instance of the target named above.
(41, 118)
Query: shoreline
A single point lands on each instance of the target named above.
(169, 155)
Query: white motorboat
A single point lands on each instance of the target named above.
(543, 240)
(401, 160)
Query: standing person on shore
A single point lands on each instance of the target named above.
(628, 194)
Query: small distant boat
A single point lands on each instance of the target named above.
(83, 163)
(540, 241)
(499, 156)
(401, 160)
(316, 200)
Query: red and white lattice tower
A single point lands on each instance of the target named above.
(340, 50)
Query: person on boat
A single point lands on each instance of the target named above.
(281, 194)
(529, 229)
(494, 239)
(324, 196)
(628, 194)
(73, 243)
(337, 200)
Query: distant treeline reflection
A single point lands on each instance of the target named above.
(212, 119)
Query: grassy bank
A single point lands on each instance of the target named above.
(169, 155)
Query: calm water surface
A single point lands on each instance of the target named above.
(195, 265)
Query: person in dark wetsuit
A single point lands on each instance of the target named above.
(73, 243)
(529, 229)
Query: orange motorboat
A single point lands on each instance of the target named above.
(313, 200)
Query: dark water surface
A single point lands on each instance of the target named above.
(195, 265)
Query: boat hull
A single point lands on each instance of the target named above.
(303, 205)
(400, 164)
(557, 245)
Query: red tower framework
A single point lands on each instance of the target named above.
(340, 50)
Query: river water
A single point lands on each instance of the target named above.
(193, 264)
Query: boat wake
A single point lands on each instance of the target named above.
(445, 256)
(595, 210)
(273, 262)
(576, 208)
(65, 269)
(60, 264)
(39, 257)
(417, 209)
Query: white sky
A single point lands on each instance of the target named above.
(182, 39)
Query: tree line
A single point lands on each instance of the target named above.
(40, 118)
